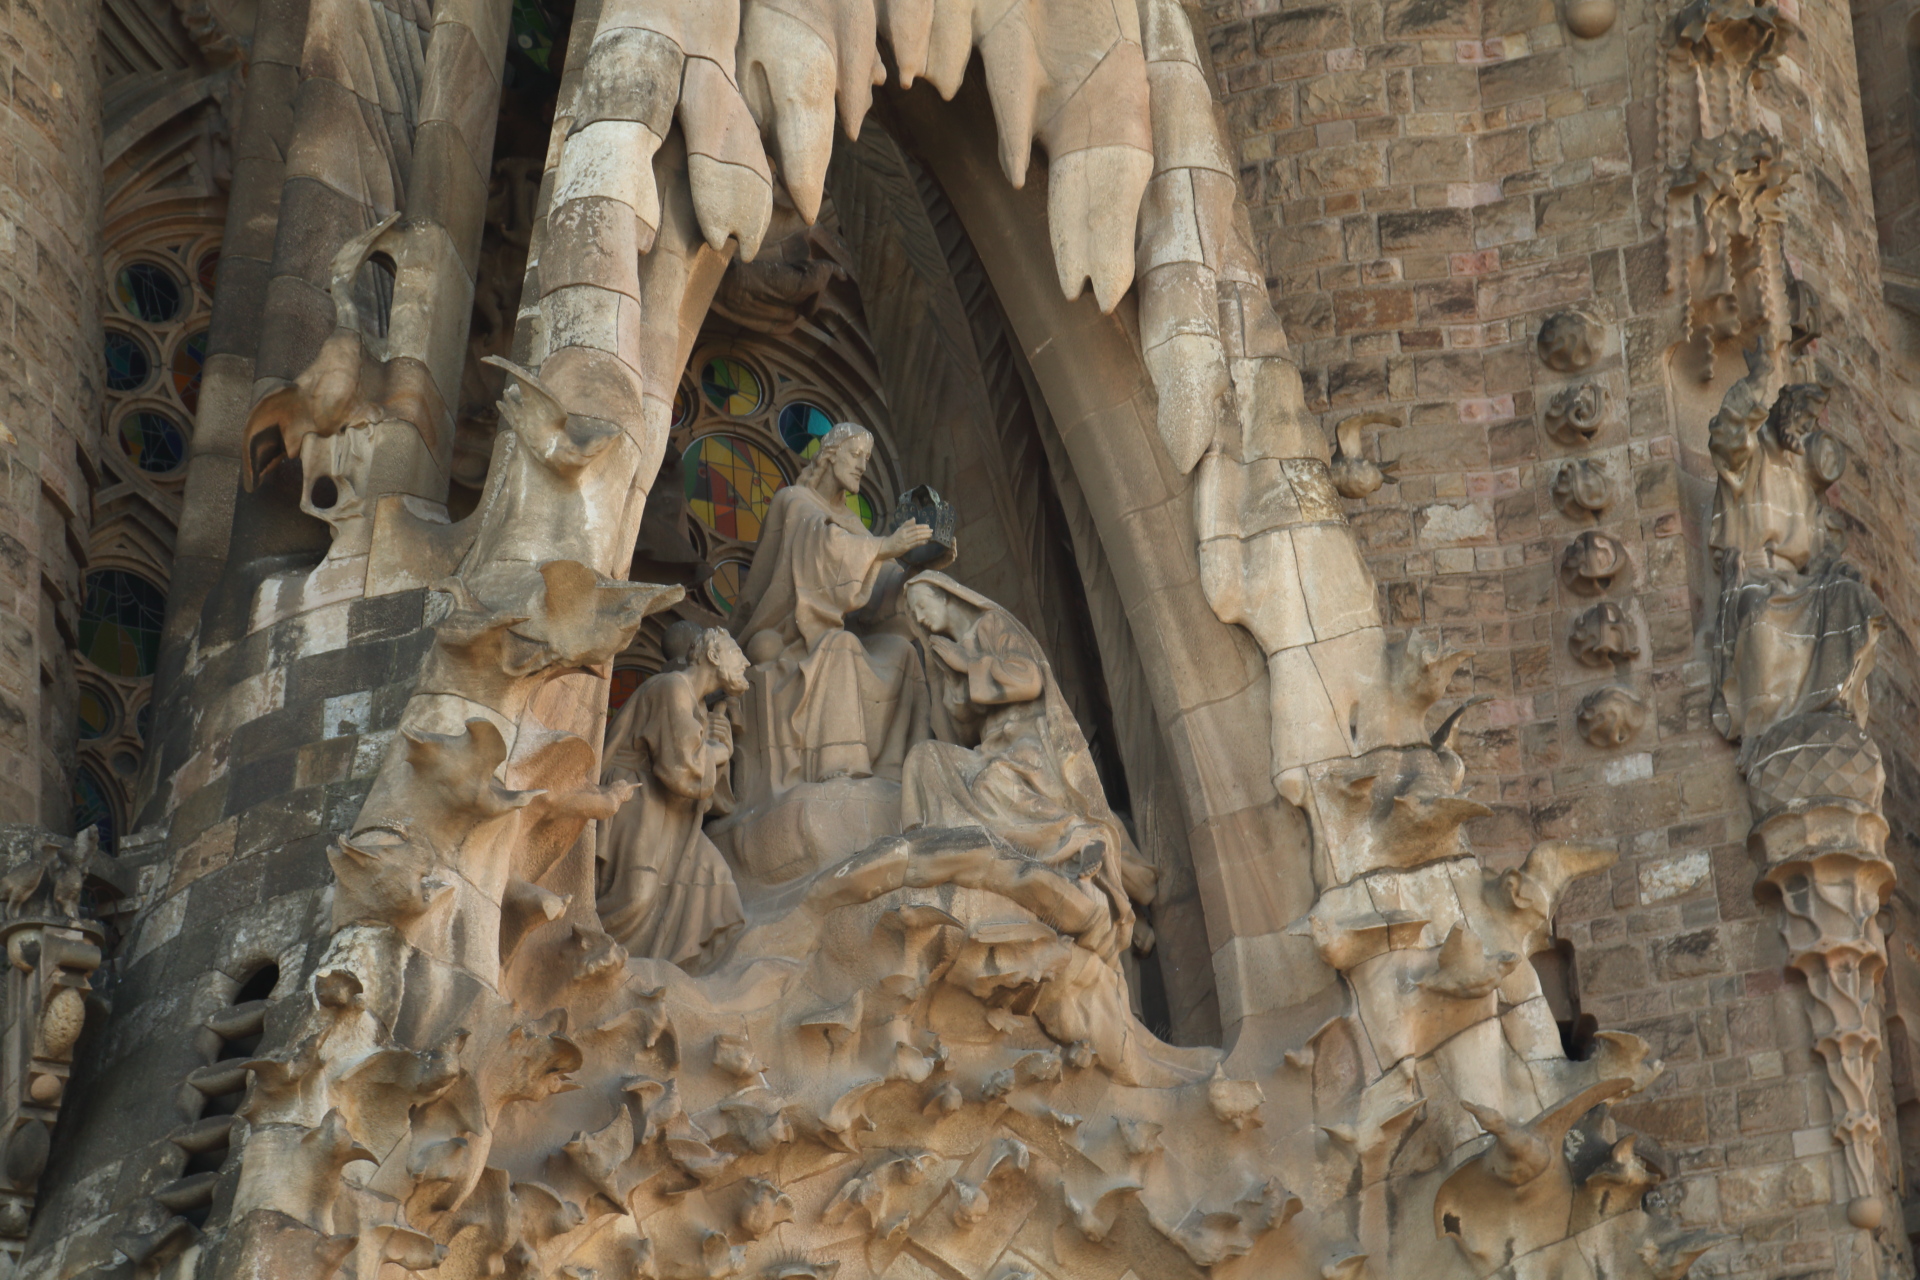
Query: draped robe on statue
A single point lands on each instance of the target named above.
(1796, 626)
(665, 891)
(1009, 756)
(841, 705)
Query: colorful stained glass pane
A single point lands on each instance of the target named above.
(682, 406)
(147, 291)
(729, 483)
(96, 713)
(189, 361)
(128, 363)
(92, 807)
(728, 581)
(208, 272)
(861, 505)
(120, 623)
(803, 426)
(625, 681)
(731, 386)
(154, 442)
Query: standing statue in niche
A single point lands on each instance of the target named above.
(1796, 624)
(664, 890)
(840, 705)
(1007, 753)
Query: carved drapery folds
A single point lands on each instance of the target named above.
(48, 893)
(1792, 646)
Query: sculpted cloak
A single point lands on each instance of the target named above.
(842, 704)
(1009, 756)
(665, 891)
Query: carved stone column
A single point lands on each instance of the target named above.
(52, 946)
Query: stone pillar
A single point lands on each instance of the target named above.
(49, 388)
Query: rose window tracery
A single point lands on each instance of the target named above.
(159, 300)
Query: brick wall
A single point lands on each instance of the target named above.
(1432, 179)
(49, 385)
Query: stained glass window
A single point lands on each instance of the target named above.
(96, 713)
(120, 623)
(682, 406)
(803, 426)
(728, 581)
(147, 291)
(189, 361)
(128, 363)
(91, 807)
(625, 681)
(861, 505)
(731, 386)
(153, 441)
(209, 271)
(729, 483)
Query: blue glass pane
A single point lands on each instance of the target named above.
(147, 291)
(128, 363)
(803, 426)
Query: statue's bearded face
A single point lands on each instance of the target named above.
(730, 664)
(850, 462)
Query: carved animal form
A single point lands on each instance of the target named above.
(1573, 414)
(1603, 637)
(1612, 716)
(1591, 563)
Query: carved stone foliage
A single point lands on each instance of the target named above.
(1792, 646)
(48, 893)
(1582, 490)
(1724, 253)
(1568, 342)
(1603, 637)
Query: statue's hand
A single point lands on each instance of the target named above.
(904, 539)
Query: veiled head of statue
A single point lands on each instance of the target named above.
(939, 605)
(842, 459)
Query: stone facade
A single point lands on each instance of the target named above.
(1485, 312)
(52, 373)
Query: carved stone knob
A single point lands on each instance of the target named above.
(1591, 562)
(1602, 637)
(1568, 342)
(1590, 19)
(1610, 717)
(1582, 489)
(1573, 414)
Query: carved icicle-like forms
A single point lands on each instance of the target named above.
(1792, 647)
(52, 944)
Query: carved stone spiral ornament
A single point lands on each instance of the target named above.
(1573, 413)
(1592, 562)
(1568, 342)
(1582, 490)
